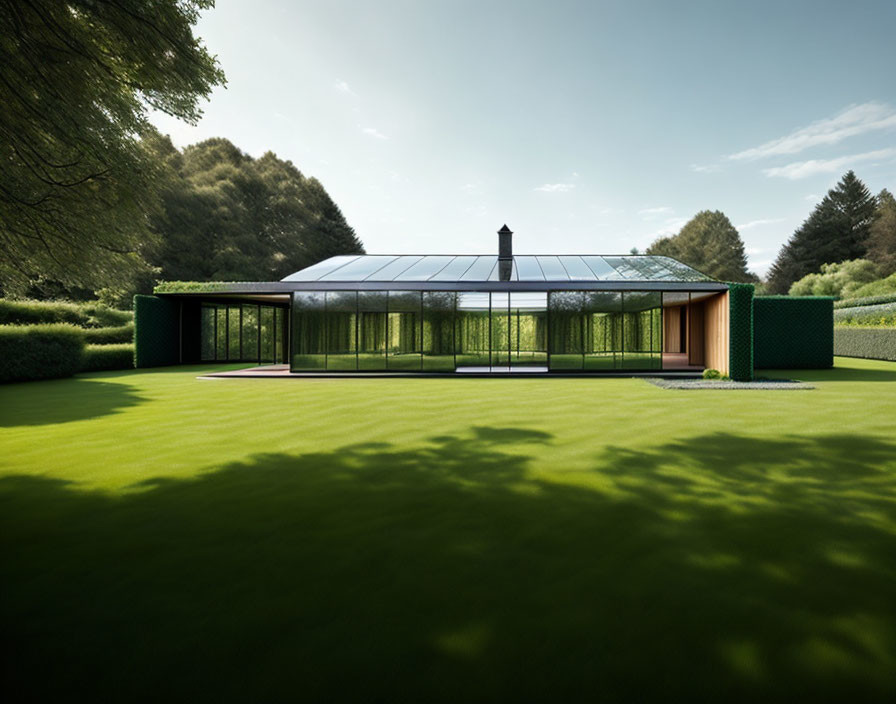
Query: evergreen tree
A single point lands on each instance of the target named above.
(837, 230)
(710, 244)
(882, 240)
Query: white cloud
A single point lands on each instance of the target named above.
(812, 198)
(705, 168)
(803, 169)
(555, 187)
(650, 213)
(759, 223)
(754, 250)
(344, 87)
(854, 120)
(373, 132)
(670, 227)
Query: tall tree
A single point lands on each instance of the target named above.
(77, 78)
(882, 239)
(227, 216)
(837, 230)
(709, 243)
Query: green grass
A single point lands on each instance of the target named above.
(165, 538)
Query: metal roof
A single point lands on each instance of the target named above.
(472, 269)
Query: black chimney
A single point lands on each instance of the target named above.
(505, 253)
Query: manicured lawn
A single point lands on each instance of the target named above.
(550, 540)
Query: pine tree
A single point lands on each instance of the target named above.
(882, 240)
(837, 230)
(709, 243)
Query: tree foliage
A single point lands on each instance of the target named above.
(882, 237)
(709, 243)
(837, 230)
(77, 78)
(841, 279)
(229, 217)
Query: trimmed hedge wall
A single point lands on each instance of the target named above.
(866, 301)
(882, 315)
(740, 350)
(156, 331)
(103, 357)
(869, 343)
(40, 351)
(87, 315)
(793, 332)
(110, 336)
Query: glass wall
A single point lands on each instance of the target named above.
(439, 331)
(242, 333)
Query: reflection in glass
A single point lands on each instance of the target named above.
(267, 335)
(207, 334)
(309, 341)
(528, 329)
(472, 329)
(603, 324)
(233, 333)
(567, 328)
(373, 313)
(403, 352)
(438, 331)
(250, 331)
(342, 309)
(642, 330)
(500, 330)
(221, 334)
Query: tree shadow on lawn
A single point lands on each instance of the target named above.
(725, 567)
(62, 401)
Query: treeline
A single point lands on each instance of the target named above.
(850, 224)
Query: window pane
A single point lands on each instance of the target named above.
(207, 334)
(603, 330)
(372, 327)
(455, 269)
(471, 336)
(480, 269)
(392, 270)
(309, 342)
(566, 332)
(250, 333)
(267, 334)
(221, 334)
(577, 269)
(342, 307)
(528, 268)
(315, 271)
(640, 349)
(500, 321)
(359, 269)
(438, 331)
(404, 331)
(528, 329)
(425, 268)
(233, 333)
(553, 269)
(602, 270)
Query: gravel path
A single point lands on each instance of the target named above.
(763, 384)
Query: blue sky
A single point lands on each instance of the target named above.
(587, 127)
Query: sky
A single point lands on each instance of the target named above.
(588, 127)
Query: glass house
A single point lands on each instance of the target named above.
(448, 314)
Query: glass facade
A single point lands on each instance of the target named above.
(243, 333)
(441, 331)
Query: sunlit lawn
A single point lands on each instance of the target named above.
(165, 538)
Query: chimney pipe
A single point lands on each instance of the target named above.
(505, 253)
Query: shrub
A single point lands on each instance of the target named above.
(882, 315)
(870, 343)
(104, 357)
(712, 374)
(837, 279)
(110, 336)
(881, 287)
(87, 315)
(866, 301)
(39, 351)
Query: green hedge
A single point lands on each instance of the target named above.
(882, 315)
(40, 351)
(740, 345)
(870, 343)
(86, 315)
(110, 336)
(793, 332)
(103, 357)
(156, 331)
(866, 301)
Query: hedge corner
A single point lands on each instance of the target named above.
(740, 353)
(156, 331)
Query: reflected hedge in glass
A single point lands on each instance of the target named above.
(404, 345)
(566, 329)
(342, 310)
(500, 330)
(250, 331)
(373, 314)
(221, 334)
(233, 333)
(528, 329)
(266, 332)
(207, 334)
(472, 329)
(438, 330)
(309, 338)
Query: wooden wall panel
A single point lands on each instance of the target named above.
(716, 332)
(672, 329)
(696, 336)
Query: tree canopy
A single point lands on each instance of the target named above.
(837, 230)
(77, 78)
(882, 234)
(709, 243)
(227, 216)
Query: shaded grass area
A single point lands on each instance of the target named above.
(430, 540)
